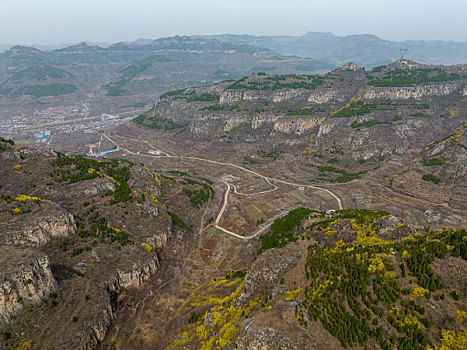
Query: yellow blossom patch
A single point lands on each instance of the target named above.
(461, 315)
(24, 198)
(147, 247)
(452, 341)
(419, 292)
(291, 294)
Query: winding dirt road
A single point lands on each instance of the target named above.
(227, 192)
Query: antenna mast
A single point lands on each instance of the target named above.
(403, 52)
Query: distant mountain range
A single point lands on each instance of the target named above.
(155, 66)
(142, 67)
(364, 49)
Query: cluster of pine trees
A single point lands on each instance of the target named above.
(78, 168)
(356, 290)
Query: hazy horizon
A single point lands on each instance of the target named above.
(50, 22)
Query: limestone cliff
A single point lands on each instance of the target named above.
(135, 275)
(48, 222)
(416, 92)
(25, 277)
(239, 96)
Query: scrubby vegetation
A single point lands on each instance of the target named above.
(213, 108)
(11, 142)
(431, 177)
(344, 177)
(278, 82)
(198, 196)
(282, 230)
(271, 154)
(355, 109)
(363, 289)
(98, 228)
(203, 98)
(3, 147)
(157, 123)
(400, 77)
(77, 168)
(174, 93)
(46, 90)
(177, 221)
(432, 161)
(225, 317)
(305, 111)
(367, 123)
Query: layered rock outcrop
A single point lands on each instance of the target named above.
(25, 277)
(39, 229)
(238, 96)
(135, 275)
(406, 92)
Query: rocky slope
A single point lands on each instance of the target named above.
(110, 254)
(404, 109)
(354, 279)
(403, 88)
(25, 278)
(68, 248)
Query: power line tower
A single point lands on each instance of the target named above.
(403, 52)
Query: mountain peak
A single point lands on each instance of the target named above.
(350, 66)
(81, 48)
(23, 49)
(404, 63)
(319, 35)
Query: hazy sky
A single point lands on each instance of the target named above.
(65, 21)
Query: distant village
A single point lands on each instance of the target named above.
(40, 126)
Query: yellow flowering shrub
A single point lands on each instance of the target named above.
(461, 315)
(419, 292)
(147, 247)
(452, 341)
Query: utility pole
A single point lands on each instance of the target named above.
(403, 52)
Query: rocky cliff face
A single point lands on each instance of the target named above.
(325, 96)
(260, 106)
(415, 92)
(91, 188)
(135, 275)
(47, 223)
(238, 96)
(96, 328)
(297, 126)
(72, 214)
(265, 272)
(25, 278)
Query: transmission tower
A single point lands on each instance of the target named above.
(403, 52)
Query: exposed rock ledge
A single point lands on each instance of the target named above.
(135, 275)
(416, 92)
(40, 229)
(25, 277)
